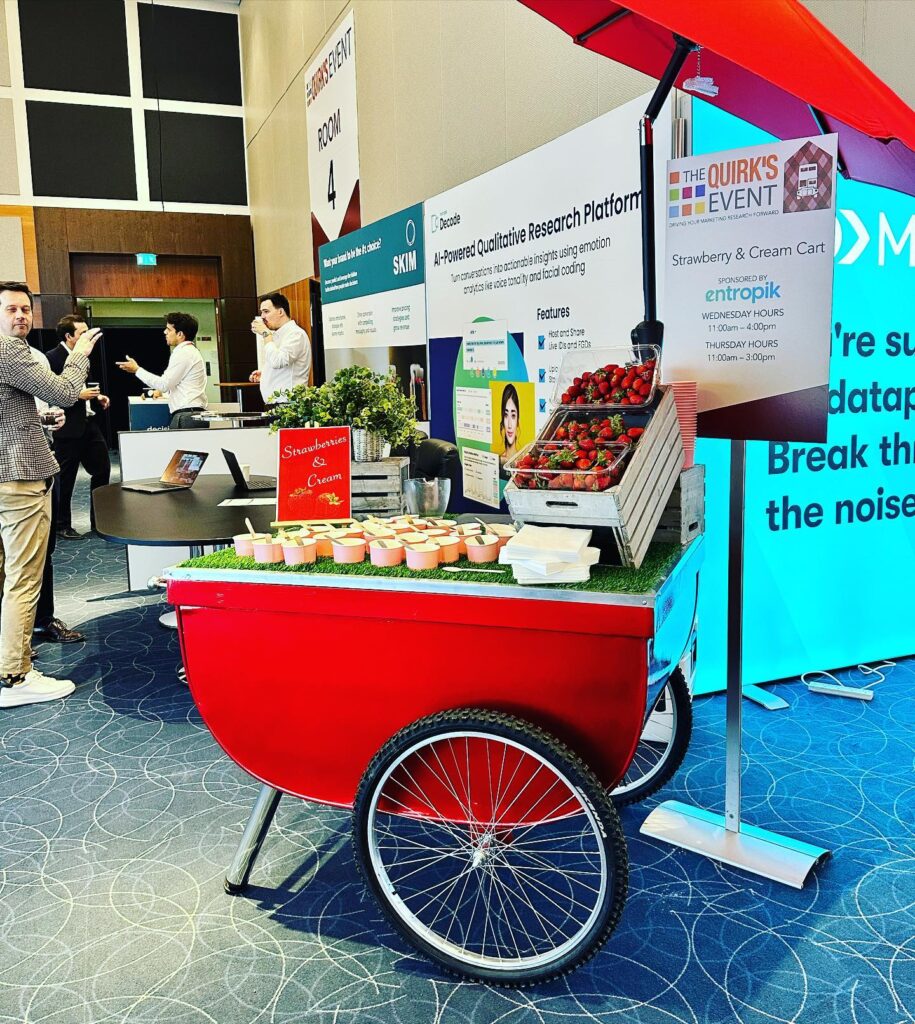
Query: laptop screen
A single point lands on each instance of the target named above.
(183, 468)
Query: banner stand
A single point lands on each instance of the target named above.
(725, 838)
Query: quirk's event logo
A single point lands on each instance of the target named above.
(684, 200)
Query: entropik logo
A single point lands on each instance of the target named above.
(897, 239)
(747, 293)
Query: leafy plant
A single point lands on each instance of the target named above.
(356, 397)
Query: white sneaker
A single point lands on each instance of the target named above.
(35, 689)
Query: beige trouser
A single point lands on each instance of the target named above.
(25, 521)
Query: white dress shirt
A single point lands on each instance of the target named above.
(284, 360)
(184, 379)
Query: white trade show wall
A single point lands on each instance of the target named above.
(146, 453)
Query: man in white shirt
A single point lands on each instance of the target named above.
(283, 349)
(184, 381)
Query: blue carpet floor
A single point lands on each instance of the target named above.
(119, 815)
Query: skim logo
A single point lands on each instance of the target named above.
(892, 240)
(443, 221)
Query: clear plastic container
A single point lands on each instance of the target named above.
(561, 466)
(603, 426)
(589, 379)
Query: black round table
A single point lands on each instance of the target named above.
(191, 516)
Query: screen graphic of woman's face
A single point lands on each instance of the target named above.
(510, 423)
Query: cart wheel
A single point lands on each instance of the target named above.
(662, 745)
(491, 847)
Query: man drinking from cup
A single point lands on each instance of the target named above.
(79, 442)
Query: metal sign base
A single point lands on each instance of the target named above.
(751, 849)
(724, 837)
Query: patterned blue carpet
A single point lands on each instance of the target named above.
(119, 815)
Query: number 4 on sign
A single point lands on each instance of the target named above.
(331, 191)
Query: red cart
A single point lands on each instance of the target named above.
(480, 732)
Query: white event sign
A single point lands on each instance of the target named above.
(748, 296)
(333, 135)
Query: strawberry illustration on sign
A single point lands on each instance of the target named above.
(314, 473)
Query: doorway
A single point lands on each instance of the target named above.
(134, 327)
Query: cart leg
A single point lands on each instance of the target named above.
(252, 839)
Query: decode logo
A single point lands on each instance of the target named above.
(443, 221)
(888, 236)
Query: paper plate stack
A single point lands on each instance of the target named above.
(549, 554)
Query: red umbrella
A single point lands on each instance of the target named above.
(775, 65)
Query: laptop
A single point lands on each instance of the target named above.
(254, 483)
(179, 475)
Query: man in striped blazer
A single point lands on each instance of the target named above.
(27, 469)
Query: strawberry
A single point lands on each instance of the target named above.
(561, 433)
(603, 387)
(583, 464)
(635, 432)
(587, 444)
(566, 398)
(581, 400)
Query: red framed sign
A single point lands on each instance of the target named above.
(314, 474)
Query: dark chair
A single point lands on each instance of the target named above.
(431, 458)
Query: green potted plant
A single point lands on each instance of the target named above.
(370, 403)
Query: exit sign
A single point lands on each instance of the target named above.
(146, 259)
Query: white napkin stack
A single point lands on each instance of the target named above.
(549, 554)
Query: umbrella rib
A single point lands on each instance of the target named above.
(823, 129)
(611, 19)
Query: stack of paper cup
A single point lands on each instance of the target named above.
(686, 399)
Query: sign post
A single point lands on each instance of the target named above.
(749, 295)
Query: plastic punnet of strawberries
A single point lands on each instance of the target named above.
(562, 466)
(598, 432)
(613, 384)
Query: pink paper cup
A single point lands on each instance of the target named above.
(300, 554)
(348, 550)
(323, 546)
(449, 549)
(244, 541)
(423, 556)
(484, 548)
(268, 552)
(385, 557)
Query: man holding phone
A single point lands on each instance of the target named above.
(79, 442)
(27, 469)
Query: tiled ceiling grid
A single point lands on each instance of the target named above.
(82, 147)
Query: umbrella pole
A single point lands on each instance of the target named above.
(651, 331)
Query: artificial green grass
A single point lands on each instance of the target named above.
(605, 579)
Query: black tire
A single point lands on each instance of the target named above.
(491, 848)
(655, 762)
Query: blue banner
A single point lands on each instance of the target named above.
(830, 528)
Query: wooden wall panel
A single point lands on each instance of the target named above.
(225, 239)
(118, 276)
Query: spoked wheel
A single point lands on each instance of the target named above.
(491, 847)
(662, 745)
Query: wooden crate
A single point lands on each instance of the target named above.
(684, 517)
(633, 508)
(378, 487)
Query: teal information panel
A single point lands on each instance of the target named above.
(830, 529)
